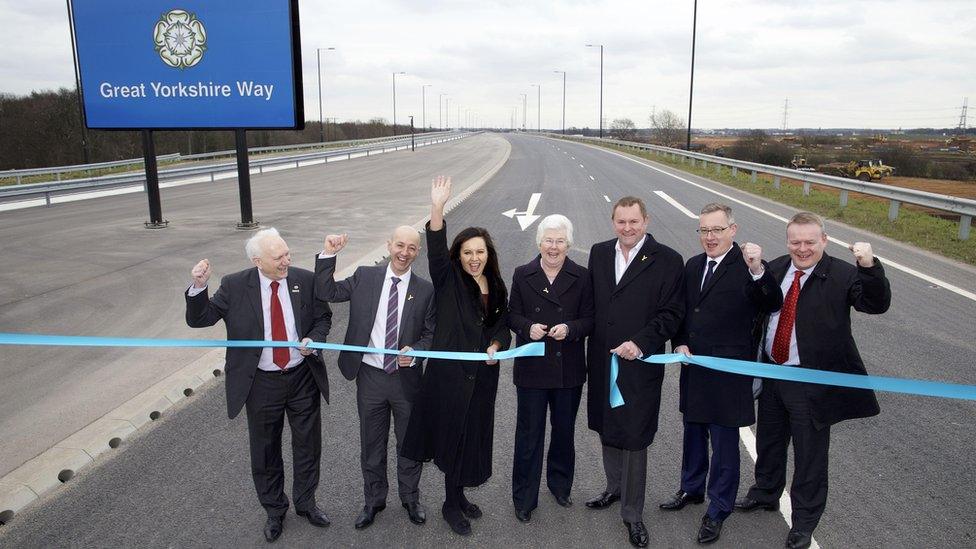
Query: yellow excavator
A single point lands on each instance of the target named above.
(865, 170)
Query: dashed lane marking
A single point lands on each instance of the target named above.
(676, 204)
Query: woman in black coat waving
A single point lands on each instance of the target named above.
(454, 415)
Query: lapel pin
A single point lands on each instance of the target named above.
(294, 289)
(409, 297)
(643, 257)
(546, 290)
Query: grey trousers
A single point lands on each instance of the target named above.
(627, 476)
(377, 395)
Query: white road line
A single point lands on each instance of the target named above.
(592, 178)
(676, 204)
(888, 262)
(607, 198)
(573, 157)
(581, 166)
(785, 506)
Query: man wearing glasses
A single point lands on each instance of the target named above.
(727, 289)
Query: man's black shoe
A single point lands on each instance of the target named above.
(638, 533)
(710, 530)
(416, 511)
(680, 499)
(798, 540)
(273, 528)
(470, 510)
(456, 520)
(367, 515)
(523, 516)
(748, 504)
(603, 501)
(315, 516)
(563, 501)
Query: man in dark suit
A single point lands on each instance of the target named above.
(272, 302)
(389, 307)
(637, 292)
(727, 289)
(812, 330)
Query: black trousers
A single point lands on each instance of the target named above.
(530, 438)
(784, 414)
(722, 475)
(273, 396)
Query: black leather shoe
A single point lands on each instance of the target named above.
(416, 511)
(748, 504)
(315, 516)
(603, 501)
(367, 515)
(680, 499)
(638, 534)
(523, 516)
(470, 510)
(563, 501)
(798, 540)
(273, 528)
(456, 520)
(710, 530)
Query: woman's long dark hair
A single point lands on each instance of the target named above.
(497, 293)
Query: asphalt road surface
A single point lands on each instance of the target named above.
(902, 479)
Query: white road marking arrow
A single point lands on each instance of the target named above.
(527, 217)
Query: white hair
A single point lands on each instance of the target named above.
(555, 222)
(253, 245)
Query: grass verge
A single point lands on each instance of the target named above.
(914, 225)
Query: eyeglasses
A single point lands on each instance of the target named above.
(554, 241)
(717, 231)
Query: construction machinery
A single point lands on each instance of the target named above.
(865, 170)
(799, 163)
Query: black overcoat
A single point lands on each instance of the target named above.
(646, 308)
(823, 331)
(568, 300)
(453, 417)
(722, 320)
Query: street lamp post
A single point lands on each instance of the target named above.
(538, 107)
(394, 99)
(601, 83)
(423, 93)
(318, 62)
(564, 99)
(447, 111)
(440, 111)
(691, 86)
(523, 110)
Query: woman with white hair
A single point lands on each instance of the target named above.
(551, 301)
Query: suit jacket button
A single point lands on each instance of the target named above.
(559, 309)
(537, 309)
(470, 377)
(696, 309)
(559, 353)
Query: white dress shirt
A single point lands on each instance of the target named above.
(718, 261)
(794, 359)
(377, 337)
(620, 263)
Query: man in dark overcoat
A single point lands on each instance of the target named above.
(812, 330)
(727, 289)
(637, 292)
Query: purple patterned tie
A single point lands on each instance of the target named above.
(390, 361)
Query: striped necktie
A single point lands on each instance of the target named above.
(390, 361)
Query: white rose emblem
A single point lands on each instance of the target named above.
(180, 39)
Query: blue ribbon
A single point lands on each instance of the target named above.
(806, 375)
(532, 349)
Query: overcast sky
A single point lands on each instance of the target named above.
(882, 64)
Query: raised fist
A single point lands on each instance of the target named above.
(752, 255)
(201, 273)
(334, 243)
(863, 253)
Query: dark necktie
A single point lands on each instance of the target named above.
(390, 361)
(281, 355)
(708, 273)
(784, 330)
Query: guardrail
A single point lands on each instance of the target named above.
(964, 207)
(58, 170)
(257, 166)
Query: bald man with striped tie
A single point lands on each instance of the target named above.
(393, 308)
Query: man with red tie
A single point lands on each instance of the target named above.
(812, 330)
(272, 302)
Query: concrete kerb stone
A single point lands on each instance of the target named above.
(24, 485)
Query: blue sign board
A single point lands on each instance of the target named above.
(189, 64)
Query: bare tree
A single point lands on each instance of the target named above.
(623, 128)
(667, 128)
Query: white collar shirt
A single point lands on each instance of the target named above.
(266, 362)
(794, 359)
(377, 337)
(621, 263)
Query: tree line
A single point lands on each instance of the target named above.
(44, 129)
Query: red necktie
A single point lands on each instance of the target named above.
(278, 333)
(784, 330)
